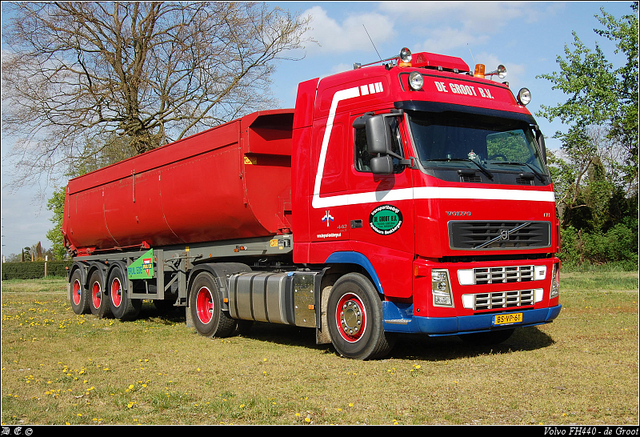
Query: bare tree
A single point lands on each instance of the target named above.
(92, 72)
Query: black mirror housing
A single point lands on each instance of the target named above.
(381, 164)
(378, 135)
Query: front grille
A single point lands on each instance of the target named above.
(499, 235)
(503, 299)
(493, 275)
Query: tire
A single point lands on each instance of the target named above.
(122, 307)
(78, 296)
(487, 338)
(354, 313)
(98, 298)
(205, 305)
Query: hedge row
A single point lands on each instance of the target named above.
(34, 270)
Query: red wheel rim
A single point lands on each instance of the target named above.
(96, 294)
(116, 292)
(77, 289)
(204, 305)
(351, 318)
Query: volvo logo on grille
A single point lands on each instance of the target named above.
(504, 235)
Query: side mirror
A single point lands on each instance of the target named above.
(542, 146)
(381, 164)
(378, 135)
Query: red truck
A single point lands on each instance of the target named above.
(410, 195)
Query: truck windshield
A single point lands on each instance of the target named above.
(452, 140)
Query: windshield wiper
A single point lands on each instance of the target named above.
(486, 172)
(533, 170)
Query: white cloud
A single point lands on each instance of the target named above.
(349, 34)
(445, 26)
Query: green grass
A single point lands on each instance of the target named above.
(60, 368)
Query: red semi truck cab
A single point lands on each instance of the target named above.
(433, 181)
(410, 196)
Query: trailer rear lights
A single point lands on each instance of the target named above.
(441, 288)
(524, 96)
(416, 81)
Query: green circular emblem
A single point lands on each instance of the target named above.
(385, 219)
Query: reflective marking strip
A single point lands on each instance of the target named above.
(433, 193)
(404, 193)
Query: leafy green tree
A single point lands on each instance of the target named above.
(596, 171)
(56, 205)
(599, 94)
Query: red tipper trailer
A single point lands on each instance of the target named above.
(209, 186)
(407, 197)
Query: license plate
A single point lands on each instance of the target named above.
(507, 319)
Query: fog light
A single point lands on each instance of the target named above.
(441, 288)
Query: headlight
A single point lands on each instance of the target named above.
(555, 282)
(416, 81)
(441, 288)
(524, 96)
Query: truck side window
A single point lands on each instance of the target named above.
(362, 156)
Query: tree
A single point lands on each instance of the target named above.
(56, 205)
(601, 95)
(595, 172)
(132, 76)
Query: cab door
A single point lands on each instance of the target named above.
(381, 211)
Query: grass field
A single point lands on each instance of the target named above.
(60, 368)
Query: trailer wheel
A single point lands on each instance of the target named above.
(78, 297)
(98, 300)
(122, 307)
(205, 304)
(355, 319)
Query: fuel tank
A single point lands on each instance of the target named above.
(229, 182)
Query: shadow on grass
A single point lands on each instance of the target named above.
(407, 346)
(448, 348)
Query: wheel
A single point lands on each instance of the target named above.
(122, 307)
(354, 313)
(205, 304)
(78, 297)
(487, 338)
(98, 301)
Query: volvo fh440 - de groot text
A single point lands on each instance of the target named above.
(410, 195)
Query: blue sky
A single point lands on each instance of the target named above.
(526, 37)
